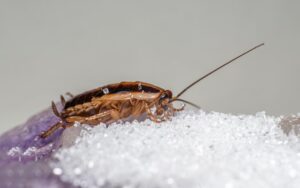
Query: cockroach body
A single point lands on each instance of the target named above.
(121, 101)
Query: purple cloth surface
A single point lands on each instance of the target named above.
(24, 156)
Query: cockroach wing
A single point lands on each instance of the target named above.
(111, 89)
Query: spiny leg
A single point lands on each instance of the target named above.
(54, 109)
(62, 100)
(138, 108)
(110, 114)
(125, 110)
(166, 115)
(51, 130)
(115, 106)
(151, 115)
(107, 116)
(70, 94)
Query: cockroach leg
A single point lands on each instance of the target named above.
(114, 115)
(151, 115)
(70, 94)
(131, 101)
(154, 118)
(54, 109)
(51, 130)
(124, 110)
(62, 100)
(108, 115)
(168, 114)
(114, 106)
(159, 110)
(165, 115)
(139, 108)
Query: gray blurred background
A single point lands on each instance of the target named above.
(50, 47)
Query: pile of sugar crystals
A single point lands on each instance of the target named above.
(194, 149)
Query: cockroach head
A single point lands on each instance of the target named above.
(168, 94)
(165, 97)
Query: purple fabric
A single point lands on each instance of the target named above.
(24, 156)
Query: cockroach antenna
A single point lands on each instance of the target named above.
(208, 74)
(187, 102)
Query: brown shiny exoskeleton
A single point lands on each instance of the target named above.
(122, 101)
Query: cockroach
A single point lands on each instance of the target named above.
(119, 101)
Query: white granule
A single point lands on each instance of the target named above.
(194, 149)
